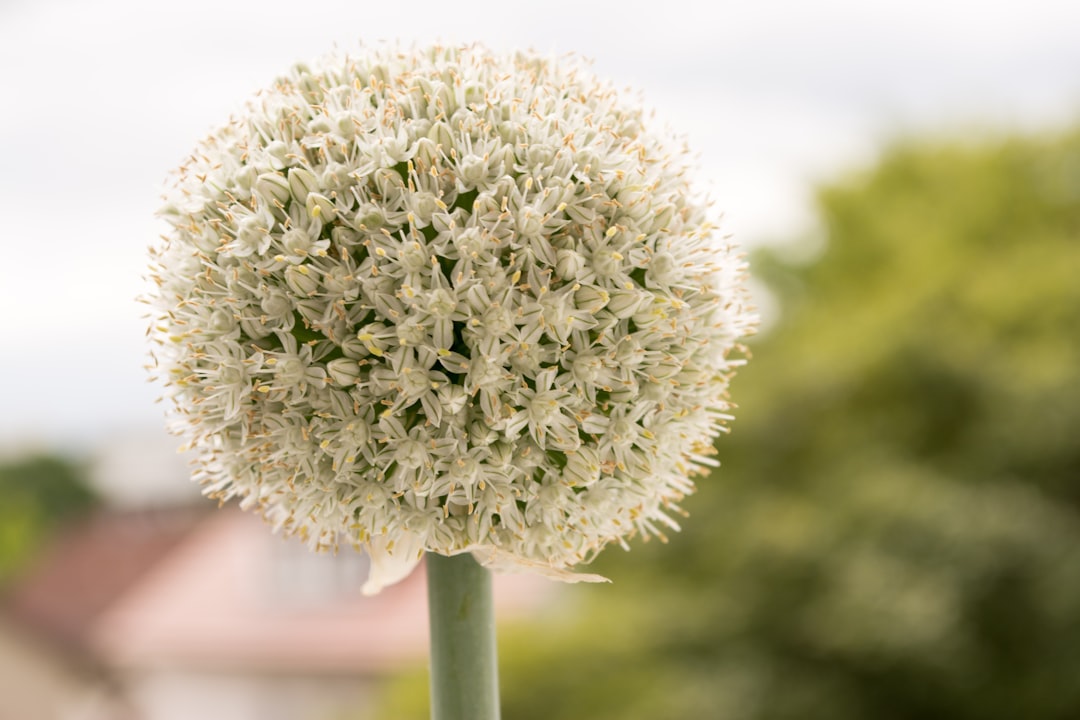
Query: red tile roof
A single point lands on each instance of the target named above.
(203, 590)
(88, 566)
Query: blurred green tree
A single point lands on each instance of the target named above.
(36, 493)
(895, 533)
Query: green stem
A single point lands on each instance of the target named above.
(464, 665)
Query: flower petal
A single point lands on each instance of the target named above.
(503, 562)
(392, 560)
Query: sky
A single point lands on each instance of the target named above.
(99, 100)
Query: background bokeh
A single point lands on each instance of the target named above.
(896, 527)
(102, 98)
(895, 532)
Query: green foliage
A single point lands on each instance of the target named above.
(896, 530)
(36, 493)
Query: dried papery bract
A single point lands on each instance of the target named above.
(450, 301)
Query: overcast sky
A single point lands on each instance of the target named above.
(100, 99)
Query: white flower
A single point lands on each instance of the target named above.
(446, 301)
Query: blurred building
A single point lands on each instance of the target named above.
(181, 613)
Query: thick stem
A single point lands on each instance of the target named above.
(464, 664)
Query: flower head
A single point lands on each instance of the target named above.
(442, 300)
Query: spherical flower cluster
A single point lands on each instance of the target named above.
(443, 300)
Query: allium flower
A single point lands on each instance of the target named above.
(447, 301)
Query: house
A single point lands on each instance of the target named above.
(185, 613)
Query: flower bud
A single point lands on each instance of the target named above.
(375, 338)
(628, 352)
(452, 398)
(276, 304)
(469, 242)
(481, 435)
(473, 170)
(301, 182)
(222, 321)
(296, 242)
(582, 467)
(624, 303)
(606, 262)
(662, 218)
(422, 205)
(591, 299)
(245, 178)
(290, 370)
(586, 367)
(370, 217)
(271, 187)
(355, 348)
(502, 454)
(320, 207)
(344, 236)
(319, 125)
(277, 154)
(343, 371)
(411, 453)
(440, 133)
(313, 310)
(441, 303)
(661, 270)
(412, 333)
(412, 257)
(665, 370)
(357, 432)
(427, 152)
(300, 281)
(569, 264)
(341, 281)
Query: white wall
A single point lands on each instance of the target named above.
(38, 683)
(180, 694)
